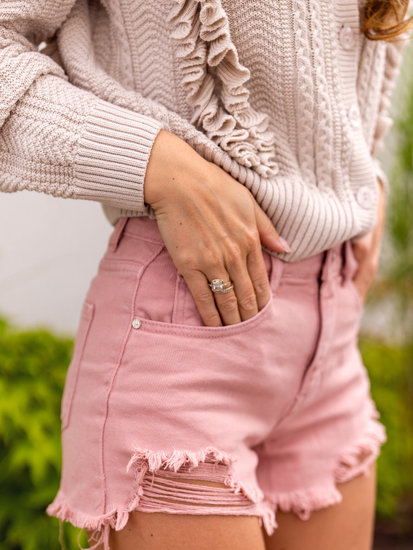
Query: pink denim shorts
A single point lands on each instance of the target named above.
(277, 409)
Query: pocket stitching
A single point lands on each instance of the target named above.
(177, 328)
(87, 315)
(151, 325)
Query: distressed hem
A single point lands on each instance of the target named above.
(350, 464)
(145, 462)
(305, 501)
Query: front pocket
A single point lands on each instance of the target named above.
(73, 369)
(206, 331)
(164, 303)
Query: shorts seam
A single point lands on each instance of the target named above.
(141, 238)
(115, 372)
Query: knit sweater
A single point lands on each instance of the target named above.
(288, 97)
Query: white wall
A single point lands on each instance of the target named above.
(49, 251)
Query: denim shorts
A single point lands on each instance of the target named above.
(277, 408)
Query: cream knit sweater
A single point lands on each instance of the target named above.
(286, 96)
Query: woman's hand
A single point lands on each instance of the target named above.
(212, 228)
(367, 250)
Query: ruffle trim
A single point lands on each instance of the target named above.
(208, 61)
(393, 61)
(142, 462)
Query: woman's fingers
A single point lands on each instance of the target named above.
(250, 279)
(268, 234)
(250, 294)
(244, 293)
(226, 302)
(223, 308)
(203, 298)
(227, 305)
(259, 276)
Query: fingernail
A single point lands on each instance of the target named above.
(284, 244)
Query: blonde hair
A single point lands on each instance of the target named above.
(386, 19)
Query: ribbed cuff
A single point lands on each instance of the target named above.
(113, 154)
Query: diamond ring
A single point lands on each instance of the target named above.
(218, 285)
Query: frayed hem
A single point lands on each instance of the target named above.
(304, 502)
(145, 461)
(97, 524)
(349, 463)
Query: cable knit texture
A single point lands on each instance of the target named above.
(288, 97)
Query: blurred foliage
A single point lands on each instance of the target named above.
(391, 377)
(32, 371)
(395, 281)
(391, 367)
(400, 214)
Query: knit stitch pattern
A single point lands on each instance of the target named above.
(269, 91)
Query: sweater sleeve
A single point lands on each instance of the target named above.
(58, 138)
(392, 65)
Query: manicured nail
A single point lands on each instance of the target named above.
(284, 244)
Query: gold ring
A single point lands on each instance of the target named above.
(218, 285)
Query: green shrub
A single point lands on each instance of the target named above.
(391, 376)
(32, 372)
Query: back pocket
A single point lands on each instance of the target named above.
(72, 375)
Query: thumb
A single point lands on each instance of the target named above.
(268, 234)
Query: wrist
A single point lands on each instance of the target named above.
(172, 162)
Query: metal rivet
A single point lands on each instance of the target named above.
(136, 323)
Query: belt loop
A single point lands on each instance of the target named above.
(343, 261)
(117, 233)
(349, 263)
(276, 272)
(325, 265)
(333, 262)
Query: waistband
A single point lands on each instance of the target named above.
(336, 261)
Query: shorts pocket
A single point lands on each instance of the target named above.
(72, 375)
(164, 303)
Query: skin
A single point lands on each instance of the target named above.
(367, 249)
(348, 524)
(213, 227)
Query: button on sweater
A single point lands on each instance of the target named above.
(288, 97)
